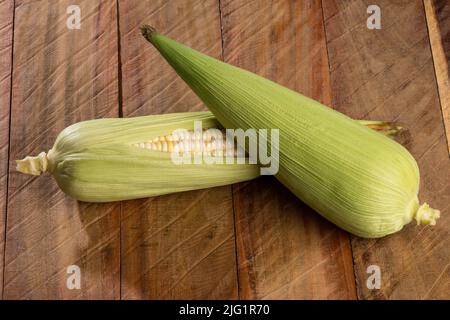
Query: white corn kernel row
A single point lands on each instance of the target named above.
(190, 142)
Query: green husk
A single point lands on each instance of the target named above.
(96, 161)
(355, 177)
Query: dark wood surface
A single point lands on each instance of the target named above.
(252, 240)
(388, 74)
(178, 246)
(60, 76)
(284, 249)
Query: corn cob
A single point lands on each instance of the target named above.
(108, 143)
(119, 159)
(190, 143)
(358, 179)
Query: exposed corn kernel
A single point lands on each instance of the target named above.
(195, 143)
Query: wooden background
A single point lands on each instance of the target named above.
(252, 240)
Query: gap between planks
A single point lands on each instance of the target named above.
(440, 62)
(7, 136)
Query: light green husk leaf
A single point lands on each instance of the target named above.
(96, 160)
(355, 177)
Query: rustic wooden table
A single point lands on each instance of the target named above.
(253, 240)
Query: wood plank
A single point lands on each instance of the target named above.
(388, 74)
(6, 38)
(60, 77)
(438, 21)
(179, 246)
(285, 250)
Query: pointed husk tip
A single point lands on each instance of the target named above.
(148, 32)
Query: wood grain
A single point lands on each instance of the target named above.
(388, 74)
(6, 38)
(60, 76)
(438, 21)
(285, 250)
(183, 246)
(179, 246)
